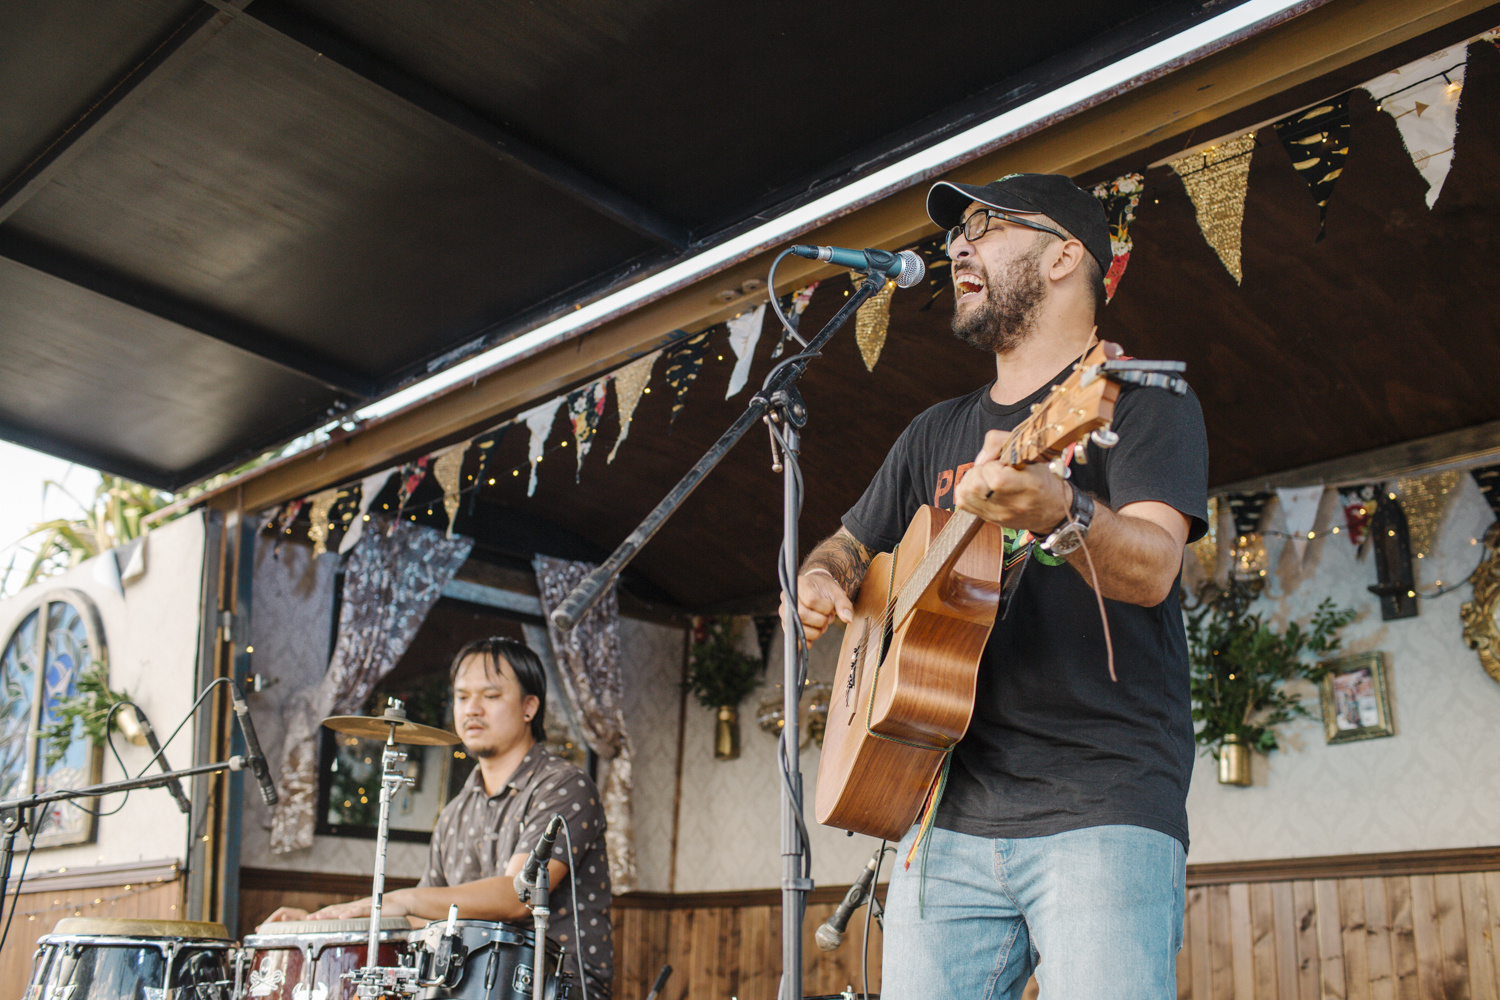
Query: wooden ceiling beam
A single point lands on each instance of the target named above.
(1326, 38)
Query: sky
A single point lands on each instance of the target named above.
(22, 502)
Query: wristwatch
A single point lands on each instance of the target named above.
(1071, 531)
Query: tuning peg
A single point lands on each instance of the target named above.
(1105, 438)
(1060, 469)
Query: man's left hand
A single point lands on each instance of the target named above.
(1030, 497)
(391, 906)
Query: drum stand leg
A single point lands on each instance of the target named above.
(371, 982)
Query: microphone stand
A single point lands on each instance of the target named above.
(780, 405)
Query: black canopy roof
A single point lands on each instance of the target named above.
(221, 223)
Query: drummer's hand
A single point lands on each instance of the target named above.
(287, 913)
(392, 906)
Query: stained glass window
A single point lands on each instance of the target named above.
(39, 668)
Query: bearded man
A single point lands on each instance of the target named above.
(1059, 844)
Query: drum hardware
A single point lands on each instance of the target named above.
(153, 959)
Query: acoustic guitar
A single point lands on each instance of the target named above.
(904, 691)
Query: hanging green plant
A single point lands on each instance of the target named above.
(720, 673)
(89, 704)
(1241, 667)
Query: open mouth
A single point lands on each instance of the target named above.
(966, 285)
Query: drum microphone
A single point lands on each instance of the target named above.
(526, 877)
(254, 759)
(174, 786)
(831, 931)
(905, 268)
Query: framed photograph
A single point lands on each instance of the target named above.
(1356, 699)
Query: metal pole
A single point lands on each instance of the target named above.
(793, 885)
(390, 780)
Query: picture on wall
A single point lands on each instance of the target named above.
(1356, 699)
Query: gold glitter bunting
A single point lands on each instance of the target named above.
(1216, 180)
(871, 323)
(1206, 549)
(317, 528)
(630, 382)
(1425, 501)
(446, 469)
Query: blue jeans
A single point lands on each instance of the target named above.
(1096, 913)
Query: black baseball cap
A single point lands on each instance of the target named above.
(1052, 195)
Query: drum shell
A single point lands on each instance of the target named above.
(306, 960)
(68, 966)
(501, 954)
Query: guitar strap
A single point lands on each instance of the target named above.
(1013, 565)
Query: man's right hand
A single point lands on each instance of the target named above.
(286, 913)
(820, 600)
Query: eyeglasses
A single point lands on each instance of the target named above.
(978, 223)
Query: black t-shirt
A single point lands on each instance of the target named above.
(1054, 744)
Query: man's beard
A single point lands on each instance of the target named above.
(482, 753)
(1008, 314)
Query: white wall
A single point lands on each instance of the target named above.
(151, 634)
(1432, 785)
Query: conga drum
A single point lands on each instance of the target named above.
(306, 959)
(91, 958)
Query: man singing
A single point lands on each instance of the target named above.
(1060, 841)
(483, 836)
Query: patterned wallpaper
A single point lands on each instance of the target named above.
(1433, 784)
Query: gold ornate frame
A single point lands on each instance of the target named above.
(1481, 634)
(1383, 725)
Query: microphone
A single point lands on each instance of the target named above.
(174, 786)
(661, 981)
(526, 877)
(831, 931)
(905, 267)
(254, 759)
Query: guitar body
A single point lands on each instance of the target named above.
(924, 692)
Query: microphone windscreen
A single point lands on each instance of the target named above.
(912, 269)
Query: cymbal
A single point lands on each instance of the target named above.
(378, 727)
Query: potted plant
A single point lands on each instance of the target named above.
(1241, 667)
(720, 675)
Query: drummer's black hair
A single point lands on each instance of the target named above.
(526, 665)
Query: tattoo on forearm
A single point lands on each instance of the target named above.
(844, 558)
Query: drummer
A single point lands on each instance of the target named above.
(483, 836)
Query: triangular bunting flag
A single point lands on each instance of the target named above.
(744, 334)
(1216, 180)
(585, 407)
(445, 469)
(1359, 506)
(871, 323)
(793, 306)
(1488, 479)
(1246, 508)
(1423, 98)
(684, 358)
(412, 475)
(317, 525)
(1317, 140)
(369, 489)
(488, 447)
(1425, 501)
(538, 421)
(1119, 198)
(630, 382)
(934, 253)
(1299, 507)
(1492, 36)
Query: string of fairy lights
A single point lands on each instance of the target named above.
(76, 907)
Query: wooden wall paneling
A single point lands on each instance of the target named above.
(1196, 918)
(1403, 944)
(1476, 934)
(760, 951)
(1185, 957)
(1284, 911)
(1330, 940)
(1424, 919)
(1378, 930)
(1450, 912)
(1241, 960)
(1220, 945)
(1309, 964)
(1263, 942)
(1355, 944)
(1492, 931)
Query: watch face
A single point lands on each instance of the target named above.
(1064, 540)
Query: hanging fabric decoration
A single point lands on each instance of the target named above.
(1488, 479)
(1299, 507)
(1423, 98)
(317, 525)
(412, 475)
(630, 382)
(1359, 506)
(369, 489)
(1216, 179)
(538, 421)
(343, 512)
(684, 358)
(744, 334)
(1317, 140)
(871, 323)
(1425, 501)
(1206, 549)
(1246, 509)
(446, 467)
(585, 408)
(488, 448)
(1119, 198)
(288, 516)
